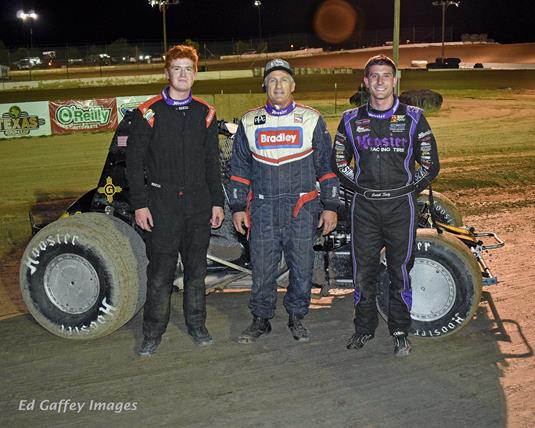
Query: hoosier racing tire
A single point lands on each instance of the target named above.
(83, 277)
(446, 285)
(444, 209)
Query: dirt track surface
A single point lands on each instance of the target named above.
(275, 382)
(519, 53)
(522, 53)
(511, 307)
(483, 376)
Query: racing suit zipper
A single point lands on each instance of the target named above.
(182, 163)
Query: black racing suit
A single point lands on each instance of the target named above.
(174, 147)
(384, 146)
(278, 155)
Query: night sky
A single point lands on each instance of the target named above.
(98, 21)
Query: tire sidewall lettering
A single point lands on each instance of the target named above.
(455, 318)
(444, 252)
(451, 326)
(50, 241)
(96, 317)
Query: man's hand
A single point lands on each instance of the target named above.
(328, 220)
(144, 219)
(217, 217)
(240, 220)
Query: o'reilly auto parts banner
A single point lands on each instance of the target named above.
(24, 119)
(88, 115)
(125, 104)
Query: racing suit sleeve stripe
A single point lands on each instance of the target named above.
(240, 166)
(327, 176)
(342, 154)
(426, 154)
(240, 180)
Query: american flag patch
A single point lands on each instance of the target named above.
(121, 140)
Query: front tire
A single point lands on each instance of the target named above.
(84, 276)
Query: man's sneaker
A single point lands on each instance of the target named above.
(149, 346)
(358, 340)
(298, 329)
(200, 335)
(259, 327)
(402, 346)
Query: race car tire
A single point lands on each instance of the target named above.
(84, 276)
(444, 209)
(446, 285)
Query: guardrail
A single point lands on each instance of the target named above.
(116, 80)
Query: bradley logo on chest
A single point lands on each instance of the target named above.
(290, 137)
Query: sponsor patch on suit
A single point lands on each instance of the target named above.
(397, 127)
(290, 137)
(260, 120)
(397, 118)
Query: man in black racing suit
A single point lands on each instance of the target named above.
(174, 145)
(384, 138)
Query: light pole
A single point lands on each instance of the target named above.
(258, 4)
(395, 44)
(28, 17)
(444, 4)
(163, 5)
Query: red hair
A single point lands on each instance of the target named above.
(182, 51)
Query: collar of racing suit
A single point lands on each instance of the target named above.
(376, 114)
(172, 102)
(274, 111)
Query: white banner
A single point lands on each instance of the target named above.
(24, 119)
(129, 103)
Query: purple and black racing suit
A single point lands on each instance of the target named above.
(385, 146)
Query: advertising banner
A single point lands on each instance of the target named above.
(24, 119)
(129, 103)
(87, 115)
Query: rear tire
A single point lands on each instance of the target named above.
(444, 209)
(446, 285)
(84, 276)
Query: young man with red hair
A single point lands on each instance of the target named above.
(175, 188)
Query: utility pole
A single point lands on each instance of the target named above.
(444, 5)
(28, 17)
(163, 5)
(258, 4)
(395, 44)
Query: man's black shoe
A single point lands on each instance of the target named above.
(200, 335)
(298, 329)
(402, 346)
(358, 340)
(149, 346)
(259, 327)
